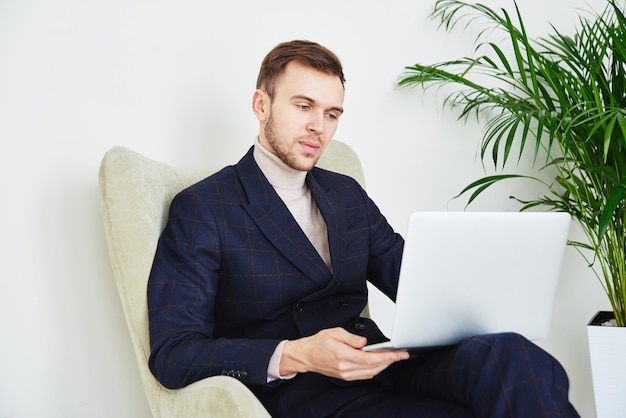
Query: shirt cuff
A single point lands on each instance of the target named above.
(273, 370)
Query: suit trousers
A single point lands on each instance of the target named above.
(490, 376)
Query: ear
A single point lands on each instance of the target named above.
(260, 105)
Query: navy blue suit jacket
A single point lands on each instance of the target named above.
(234, 274)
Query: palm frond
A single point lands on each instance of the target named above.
(562, 96)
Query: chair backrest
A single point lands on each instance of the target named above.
(135, 194)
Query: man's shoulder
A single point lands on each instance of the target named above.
(227, 177)
(222, 186)
(224, 176)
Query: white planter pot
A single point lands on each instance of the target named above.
(607, 349)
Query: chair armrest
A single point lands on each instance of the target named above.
(217, 396)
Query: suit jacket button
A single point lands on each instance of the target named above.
(299, 307)
(343, 303)
(359, 326)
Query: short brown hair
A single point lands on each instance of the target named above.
(306, 53)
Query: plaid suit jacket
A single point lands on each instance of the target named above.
(234, 274)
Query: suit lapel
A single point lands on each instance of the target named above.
(336, 224)
(275, 221)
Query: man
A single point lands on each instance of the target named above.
(261, 273)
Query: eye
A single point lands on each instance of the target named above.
(304, 107)
(332, 116)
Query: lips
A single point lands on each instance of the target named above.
(311, 147)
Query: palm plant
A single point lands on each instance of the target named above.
(565, 98)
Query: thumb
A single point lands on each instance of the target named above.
(353, 340)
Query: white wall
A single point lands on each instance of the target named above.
(173, 80)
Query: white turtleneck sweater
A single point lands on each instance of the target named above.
(291, 187)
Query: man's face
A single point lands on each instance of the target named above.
(302, 118)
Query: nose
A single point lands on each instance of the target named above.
(316, 123)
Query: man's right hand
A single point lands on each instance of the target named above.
(336, 353)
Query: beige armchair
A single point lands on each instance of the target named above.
(135, 194)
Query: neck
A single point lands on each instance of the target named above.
(279, 174)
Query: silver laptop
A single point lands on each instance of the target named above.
(472, 273)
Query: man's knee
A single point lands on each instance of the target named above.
(514, 357)
(514, 376)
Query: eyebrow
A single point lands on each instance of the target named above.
(312, 101)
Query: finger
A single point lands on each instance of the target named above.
(395, 355)
(374, 364)
(361, 360)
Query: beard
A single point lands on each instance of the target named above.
(286, 154)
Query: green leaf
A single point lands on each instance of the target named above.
(485, 182)
(614, 200)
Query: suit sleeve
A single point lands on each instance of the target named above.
(182, 290)
(385, 252)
